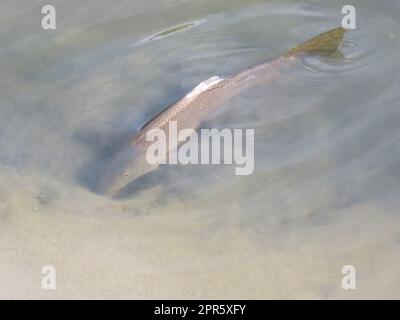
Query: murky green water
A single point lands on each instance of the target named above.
(324, 194)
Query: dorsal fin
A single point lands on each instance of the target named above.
(200, 88)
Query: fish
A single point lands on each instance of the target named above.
(191, 110)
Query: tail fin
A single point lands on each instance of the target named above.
(323, 44)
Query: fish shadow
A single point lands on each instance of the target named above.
(102, 146)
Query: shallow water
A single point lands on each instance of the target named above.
(324, 194)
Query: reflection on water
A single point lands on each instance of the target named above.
(324, 194)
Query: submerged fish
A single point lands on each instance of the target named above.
(191, 110)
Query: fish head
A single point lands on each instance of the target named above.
(127, 165)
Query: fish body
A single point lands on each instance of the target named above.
(191, 110)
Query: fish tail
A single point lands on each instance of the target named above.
(324, 44)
